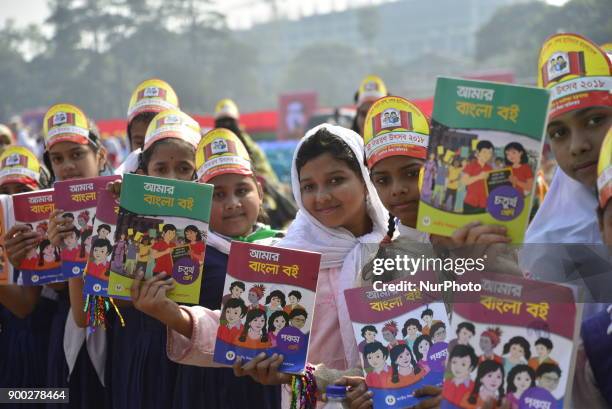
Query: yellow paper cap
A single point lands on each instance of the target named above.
(604, 171)
(372, 87)
(172, 124)
(65, 123)
(220, 152)
(577, 73)
(226, 108)
(152, 95)
(19, 165)
(394, 126)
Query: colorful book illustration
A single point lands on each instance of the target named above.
(78, 199)
(6, 220)
(41, 265)
(516, 343)
(268, 304)
(401, 336)
(164, 224)
(107, 251)
(484, 149)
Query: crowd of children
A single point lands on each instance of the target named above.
(350, 192)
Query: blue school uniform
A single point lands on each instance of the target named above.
(86, 390)
(218, 388)
(598, 348)
(23, 349)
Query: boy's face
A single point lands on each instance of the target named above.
(440, 335)
(236, 292)
(576, 138)
(464, 336)
(548, 381)
(71, 241)
(103, 233)
(427, 319)
(169, 235)
(485, 344)
(232, 315)
(253, 299)
(99, 254)
(388, 335)
(485, 154)
(376, 359)
(370, 336)
(293, 299)
(460, 366)
(298, 321)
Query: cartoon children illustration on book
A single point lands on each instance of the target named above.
(375, 354)
(255, 294)
(543, 347)
(516, 351)
(234, 310)
(421, 348)
(520, 378)
(254, 335)
(161, 250)
(522, 175)
(71, 248)
(412, 329)
(236, 290)
(275, 301)
(474, 177)
(278, 320)
(462, 361)
(389, 333)
(489, 340)
(488, 386)
(193, 237)
(404, 368)
(99, 268)
(48, 256)
(294, 298)
(297, 318)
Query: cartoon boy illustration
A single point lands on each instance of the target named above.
(101, 249)
(375, 355)
(71, 249)
(236, 290)
(256, 293)
(162, 250)
(233, 313)
(548, 376)
(368, 333)
(465, 332)
(294, 298)
(474, 177)
(463, 361)
(297, 318)
(543, 347)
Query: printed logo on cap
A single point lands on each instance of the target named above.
(226, 108)
(220, 152)
(65, 123)
(577, 73)
(152, 95)
(172, 124)
(372, 87)
(19, 165)
(394, 126)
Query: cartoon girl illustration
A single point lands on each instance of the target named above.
(489, 385)
(254, 334)
(277, 321)
(231, 327)
(421, 349)
(119, 253)
(389, 332)
(256, 293)
(404, 368)
(518, 160)
(31, 260)
(489, 340)
(516, 351)
(412, 329)
(86, 240)
(275, 301)
(196, 245)
(48, 256)
(520, 378)
(430, 173)
(71, 250)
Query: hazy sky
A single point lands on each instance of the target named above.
(240, 13)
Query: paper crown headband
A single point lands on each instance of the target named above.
(576, 71)
(226, 108)
(65, 123)
(19, 165)
(394, 126)
(372, 87)
(152, 95)
(604, 171)
(172, 124)
(220, 152)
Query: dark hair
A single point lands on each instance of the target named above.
(546, 342)
(168, 227)
(235, 303)
(467, 325)
(69, 215)
(427, 311)
(522, 342)
(517, 147)
(323, 142)
(231, 124)
(250, 316)
(517, 369)
(238, 284)
(194, 229)
(485, 368)
(546, 368)
(102, 243)
(411, 321)
(84, 236)
(145, 117)
(279, 294)
(417, 343)
(390, 226)
(484, 145)
(274, 316)
(94, 146)
(370, 328)
(373, 347)
(103, 226)
(297, 312)
(76, 231)
(435, 327)
(145, 156)
(462, 351)
(396, 351)
(41, 248)
(296, 294)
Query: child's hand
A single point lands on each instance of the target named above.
(150, 297)
(263, 370)
(114, 188)
(19, 240)
(433, 401)
(59, 227)
(358, 396)
(478, 233)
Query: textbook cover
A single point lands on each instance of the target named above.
(268, 304)
(42, 264)
(107, 252)
(164, 225)
(402, 341)
(6, 220)
(484, 149)
(515, 344)
(78, 199)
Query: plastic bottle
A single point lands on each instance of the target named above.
(335, 396)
